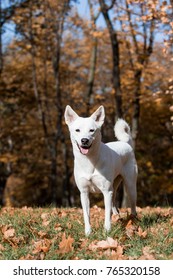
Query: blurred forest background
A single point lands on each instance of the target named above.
(115, 53)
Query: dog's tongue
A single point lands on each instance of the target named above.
(84, 151)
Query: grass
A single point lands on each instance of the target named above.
(50, 233)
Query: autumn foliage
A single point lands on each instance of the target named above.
(58, 57)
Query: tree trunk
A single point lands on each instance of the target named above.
(93, 59)
(1, 54)
(59, 134)
(115, 58)
(136, 106)
(92, 68)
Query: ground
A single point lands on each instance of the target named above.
(58, 233)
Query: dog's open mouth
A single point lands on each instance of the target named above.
(84, 149)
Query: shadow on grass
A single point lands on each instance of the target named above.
(154, 218)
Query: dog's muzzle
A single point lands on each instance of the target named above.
(85, 146)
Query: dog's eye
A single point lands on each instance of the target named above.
(91, 130)
(77, 130)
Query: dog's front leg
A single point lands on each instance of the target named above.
(86, 211)
(108, 208)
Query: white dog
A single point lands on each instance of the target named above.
(100, 167)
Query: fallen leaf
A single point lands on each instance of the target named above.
(147, 254)
(65, 246)
(130, 229)
(44, 216)
(104, 244)
(41, 246)
(115, 218)
(9, 233)
(45, 223)
(62, 214)
(2, 247)
(42, 256)
(27, 257)
(141, 233)
(69, 225)
(115, 254)
(42, 234)
(58, 227)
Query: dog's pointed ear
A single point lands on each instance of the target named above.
(99, 116)
(70, 115)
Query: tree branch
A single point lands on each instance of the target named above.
(132, 29)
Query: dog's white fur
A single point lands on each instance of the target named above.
(100, 167)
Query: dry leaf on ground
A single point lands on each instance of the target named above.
(141, 233)
(65, 246)
(115, 255)
(41, 246)
(9, 233)
(147, 254)
(109, 243)
(2, 248)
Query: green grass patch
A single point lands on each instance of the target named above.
(51, 234)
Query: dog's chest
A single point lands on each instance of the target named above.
(93, 188)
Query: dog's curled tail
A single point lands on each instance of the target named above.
(122, 132)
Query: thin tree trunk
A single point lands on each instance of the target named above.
(59, 134)
(1, 53)
(115, 57)
(93, 59)
(92, 69)
(136, 106)
(50, 143)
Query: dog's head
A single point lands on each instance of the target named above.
(84, 131)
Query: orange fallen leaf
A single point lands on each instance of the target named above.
(9, 233)
(44, 217)
(115, 254)
(147, 254)
(115, 218)
(58, 227)
(65, 246)
(2, 248)
(141, 233)
(131, 227)
(27, 257)
(41, 246)
(104, 244)
(42, 234)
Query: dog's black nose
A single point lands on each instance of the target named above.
(84, 141)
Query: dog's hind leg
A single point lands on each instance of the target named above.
(108, 194)
(130, 178)
(116, 184)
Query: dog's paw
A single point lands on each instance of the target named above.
(107, 228)
(88, 231)
(115, 211)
